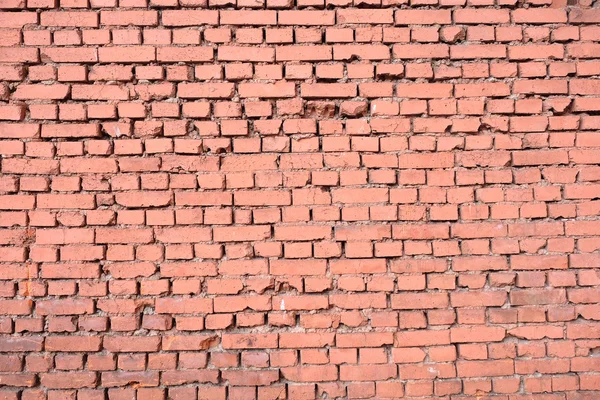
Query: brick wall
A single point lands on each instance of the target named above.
(281, 200)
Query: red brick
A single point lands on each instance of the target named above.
(250, 341)
(367, 372)
(484, 368)
(77, 344)
(63, 19)
(253, 241)
(189, 17)
(423, 17)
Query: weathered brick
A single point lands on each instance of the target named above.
(208, 199)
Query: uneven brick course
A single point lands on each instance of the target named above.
(319, 199)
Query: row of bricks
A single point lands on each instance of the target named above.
(332, 320)
(285, 89)
(439, 280)
(303, 317)
(275, 4)
(319, 250)
(354, 249)
(499, 213)
(172, 54)
(467, 147)
(558, 309)
(420, 231)
(238, 385)
(125, 270)
(325, 72)
(353, 146)
(351, 177)
(196, 35)
(381, 389)
(340, 16)
(220, 216)
(148, 255)
(297, 205)
(297, 106)
(510, 200)
(417, 280)
(468, 212)
(306, 373)
(355, 390)
(71, 362)
(305, 126)
(237, 163)
(304, 232)
(279, 267)
(437, 123)
(351, 249)
(231, 304)
(332, 146)
(318, 339)
(346, 319)
(329, 71)
(289, 358)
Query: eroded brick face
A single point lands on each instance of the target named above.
(299, 200)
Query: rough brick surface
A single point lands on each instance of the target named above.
(211, 199)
